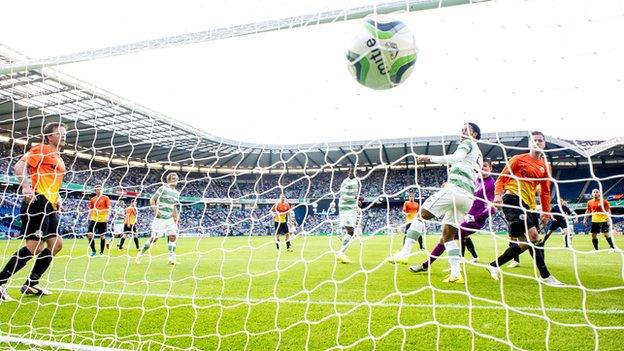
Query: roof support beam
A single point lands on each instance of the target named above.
(448, 148)
(309, 158)
(224, 163)
(255, 162)
(489, 151)
(156, 155)
(294, 156)
(246, 155)
(87, 133)
(385, 152)
(175, 156)
(348, 156)
(132, 149)
(405, 152)
(368, 160)
(108, 143)
(326, 153)
(513, 151)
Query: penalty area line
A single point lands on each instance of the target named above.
(340, 303)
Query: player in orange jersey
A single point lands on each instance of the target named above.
(99, 206)
(600, 211)
(130, 228)
(410, 209)
(281, 218)
(516, 189)
(40, 173)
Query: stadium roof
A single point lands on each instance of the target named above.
(511, 65)
(102, 124)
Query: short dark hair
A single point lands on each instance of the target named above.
(475, 128)
(487, 160)
(537, 132)
(351, 171)
(49, 129)
(29, 144)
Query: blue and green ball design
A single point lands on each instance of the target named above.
(383, 30)
(383, 53)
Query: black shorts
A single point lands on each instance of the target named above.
(281, 228)
(600, 227)
(130, 229)
(97, 227)
(518, 218)
(554, 225)
(40, 220)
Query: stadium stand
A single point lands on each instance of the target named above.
(242, 218)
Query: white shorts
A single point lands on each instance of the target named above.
(292, 229)
(348, 218)
(570, 226)
(450, 204)
(164, 227)
(118, 228)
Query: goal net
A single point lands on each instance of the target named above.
(319, 286)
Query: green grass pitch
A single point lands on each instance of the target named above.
(238, 293)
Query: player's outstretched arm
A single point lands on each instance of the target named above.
(455, 157)
(462, 151)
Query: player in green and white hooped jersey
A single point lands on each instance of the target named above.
(452, 202)
(348, 210)
(118, 222)
(165, 203)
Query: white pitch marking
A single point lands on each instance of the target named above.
(343, 303)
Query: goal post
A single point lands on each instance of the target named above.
(234, 31)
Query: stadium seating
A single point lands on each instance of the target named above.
(212, 219)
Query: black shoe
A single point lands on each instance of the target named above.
(35, 290)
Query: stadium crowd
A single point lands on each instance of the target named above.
(234, 218)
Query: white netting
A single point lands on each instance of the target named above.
(233, 289)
